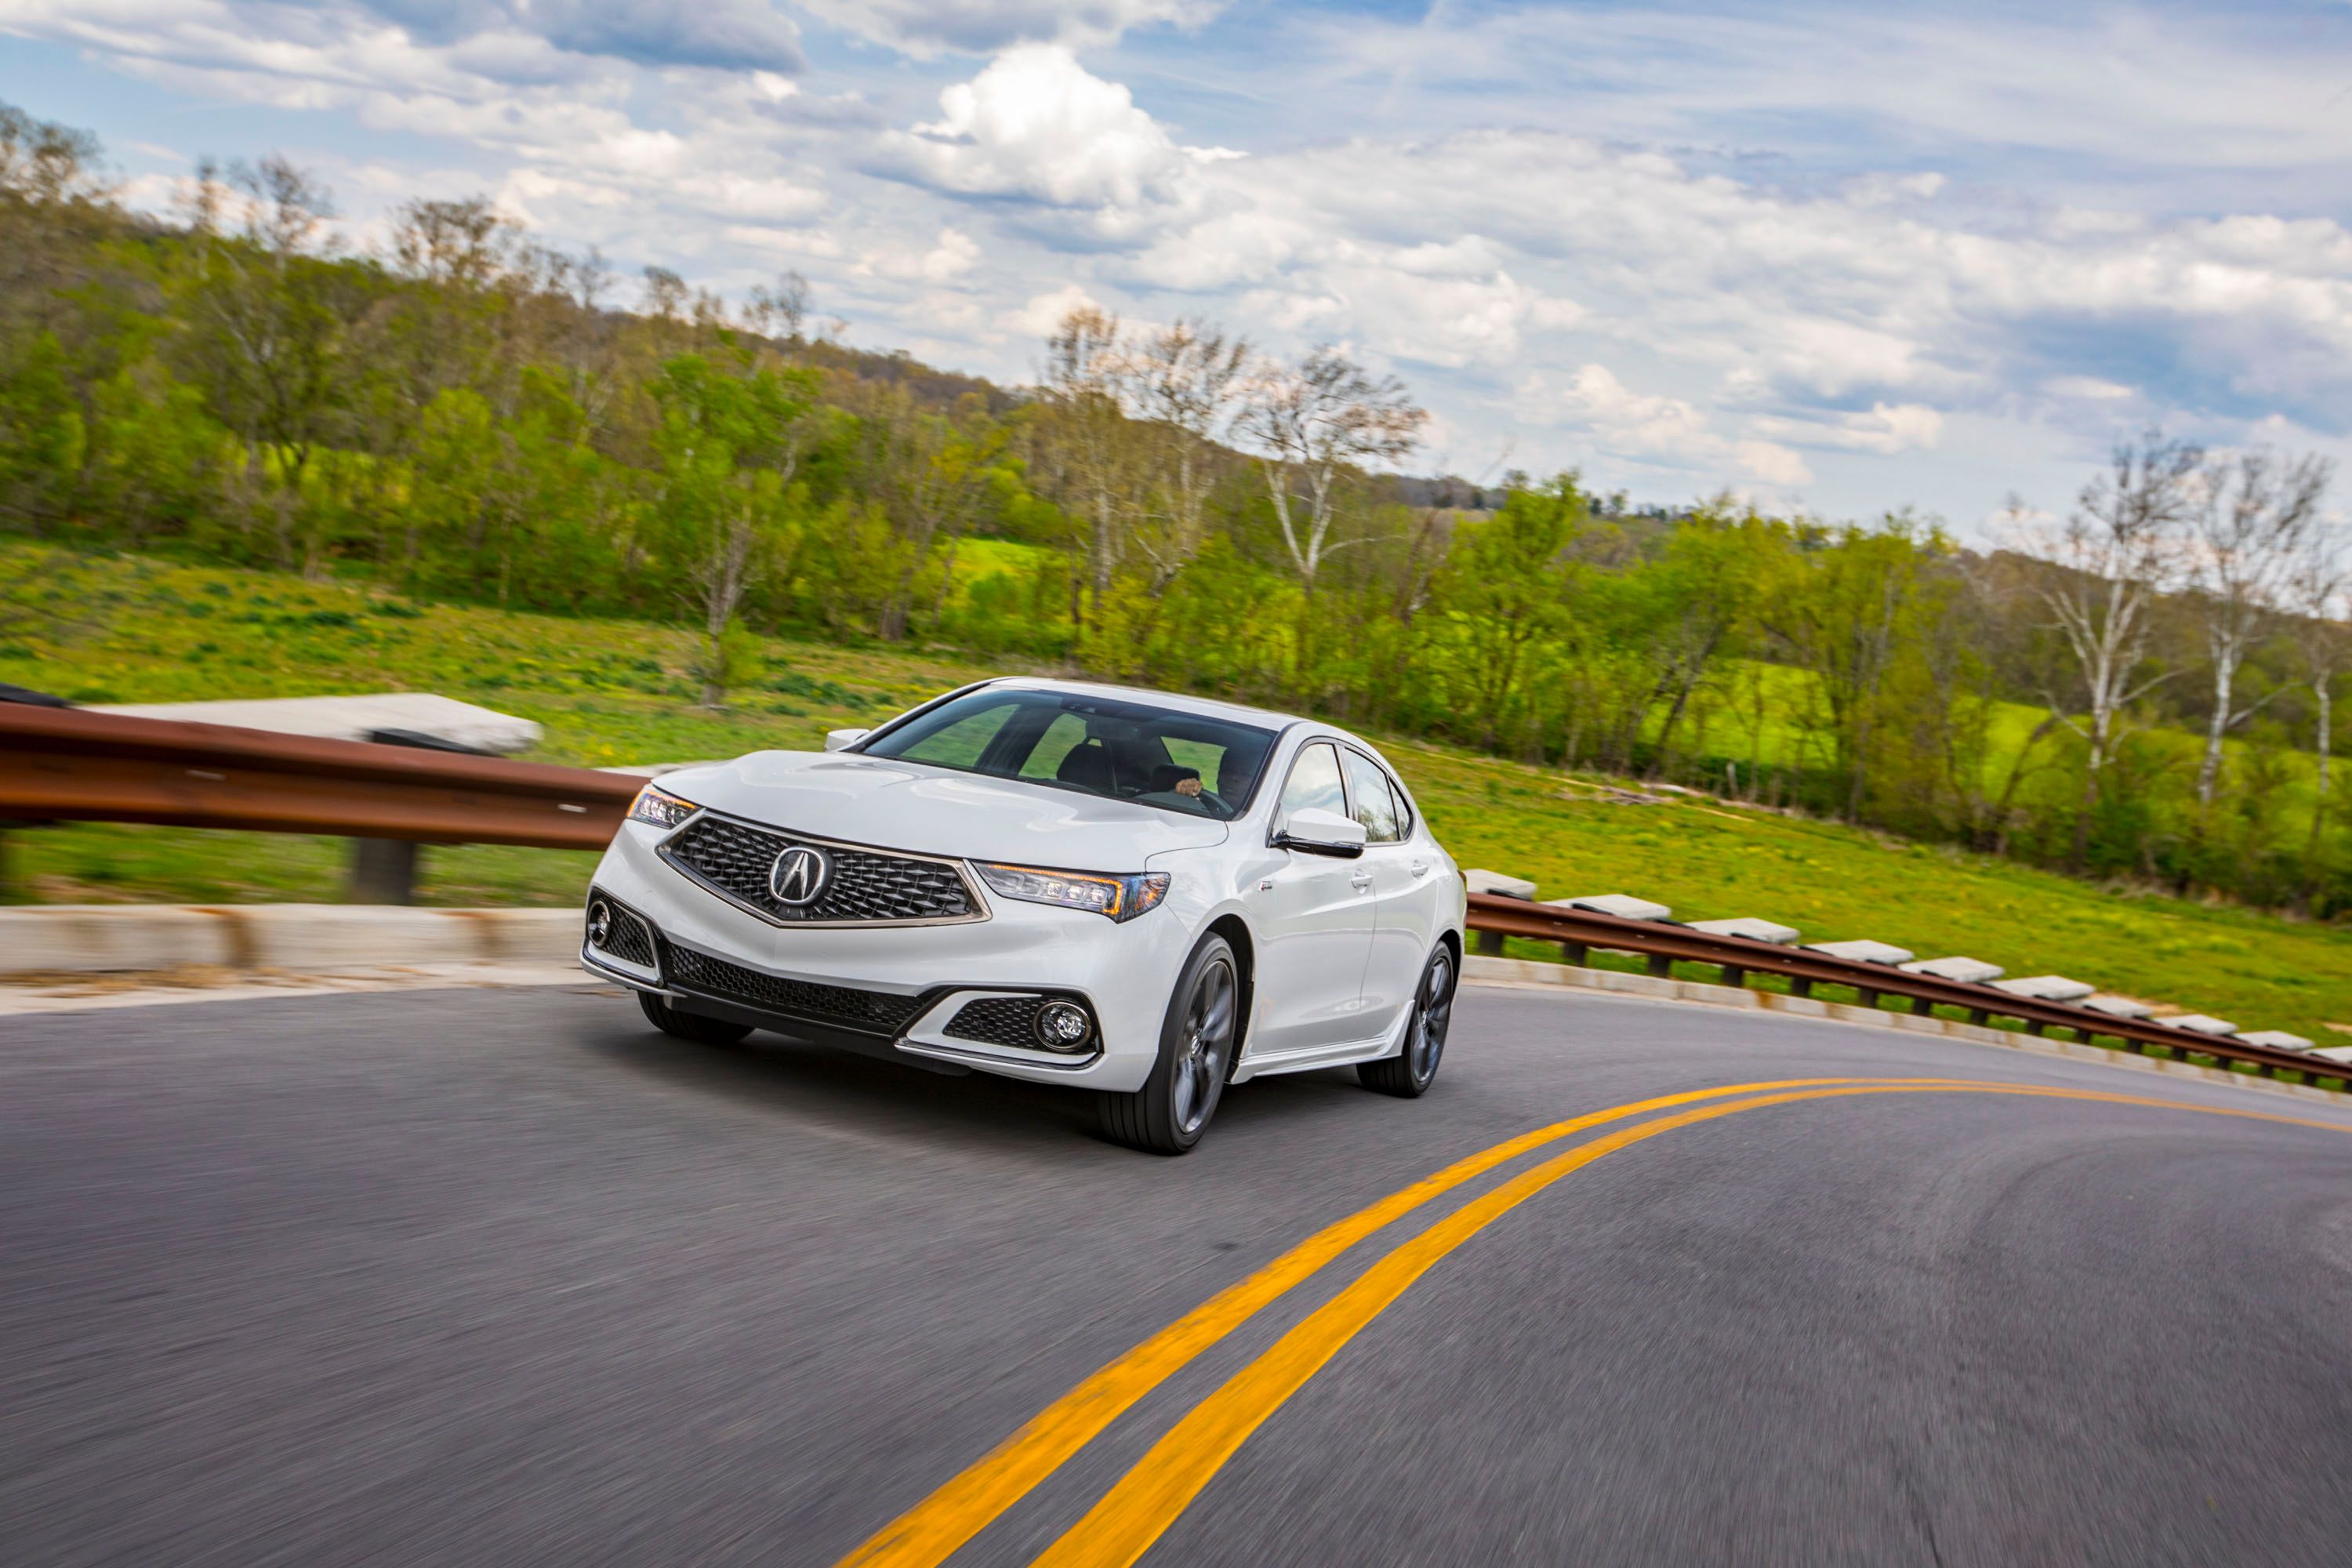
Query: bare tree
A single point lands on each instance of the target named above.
(2115, 554)
(2316, 596)
(466, 243)
(2258, 513)
(1186, 380)
(269, 331)
(1087, 375)
(1312, 424)
(779, 313)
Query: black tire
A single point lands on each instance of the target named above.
(1198, 1038)
(692, 1026)
(1410, 1072)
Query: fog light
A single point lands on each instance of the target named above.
(600, 922)
(1063, 1026)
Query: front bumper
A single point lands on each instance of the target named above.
(897, 991)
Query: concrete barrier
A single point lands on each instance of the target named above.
(102, 939)
(1751, 928)
(1624, 906)
(1864, 949)
(1961, 969)
(2045, 988)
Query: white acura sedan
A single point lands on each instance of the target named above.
(1147, 896)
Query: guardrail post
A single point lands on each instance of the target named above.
(1922, 1006)
(384, 871)
(1981, 1017)
(1798, 985)
(1490, 943)
(1734, 976)
(1662, 966)
(1869, 997)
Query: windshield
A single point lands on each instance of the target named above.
(1096, 745)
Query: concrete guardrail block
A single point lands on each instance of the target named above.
(2276, 1039)
(2119, 1006)
(298, 938)
(1478, 881)
(2201, 1023)
(2045, 988)
(1965, 970)
(1622, 905)
(1749, 927)
(1863, 950)
(85, 938)
(2341, 1055)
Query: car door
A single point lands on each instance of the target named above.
(1405, 899)
(1314, 924)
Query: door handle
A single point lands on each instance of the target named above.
(1420, 867)
(1361, 879)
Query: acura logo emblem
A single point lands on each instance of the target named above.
(799, 876)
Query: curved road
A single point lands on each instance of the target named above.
(504, 1278)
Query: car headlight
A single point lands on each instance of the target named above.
(1120, 898)
(660, 807)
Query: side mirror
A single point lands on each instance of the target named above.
(1313, 831)
(842, 739)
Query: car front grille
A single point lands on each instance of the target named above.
(735, 858)
(872, 1012)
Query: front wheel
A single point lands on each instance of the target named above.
(1197, 1038)
(1411, 1070)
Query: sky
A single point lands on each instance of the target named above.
(1835, 258)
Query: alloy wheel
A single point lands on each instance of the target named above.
(1205, 1047)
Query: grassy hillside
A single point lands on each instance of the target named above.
(611, 692)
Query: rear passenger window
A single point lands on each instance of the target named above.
(1403, 809)
(1315, 782)
(1368, 789)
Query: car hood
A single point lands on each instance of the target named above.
(932, 811)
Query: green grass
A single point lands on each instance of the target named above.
(618, 692)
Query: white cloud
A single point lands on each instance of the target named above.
(1036, 125)
(984, 26)
(1774, 465)
(1041, 313)
(1887, 429)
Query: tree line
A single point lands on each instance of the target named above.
(2141, 686)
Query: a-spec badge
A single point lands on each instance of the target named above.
(799, 876)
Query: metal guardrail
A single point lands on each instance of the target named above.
(1664, 943)
(65, 764)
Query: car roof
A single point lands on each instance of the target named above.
(1201, 707)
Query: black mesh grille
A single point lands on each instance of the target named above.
(864, 885)
(628, 940)
(876, 1012)
(998, 1021)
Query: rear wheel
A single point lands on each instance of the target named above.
(1170, 1112)
(692, 1026)
(1411, 1070)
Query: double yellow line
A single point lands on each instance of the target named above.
(1134, 1513)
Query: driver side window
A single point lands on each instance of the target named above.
(1315, 782)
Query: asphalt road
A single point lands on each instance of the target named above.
(503, 1278)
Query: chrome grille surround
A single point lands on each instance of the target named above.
(868, 887)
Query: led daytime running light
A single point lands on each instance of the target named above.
(660, 808)
(1117, 897)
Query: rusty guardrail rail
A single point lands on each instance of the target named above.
(66, 764)
(59, 764)
(1664, 942)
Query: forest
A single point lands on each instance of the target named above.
(2138, 689)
